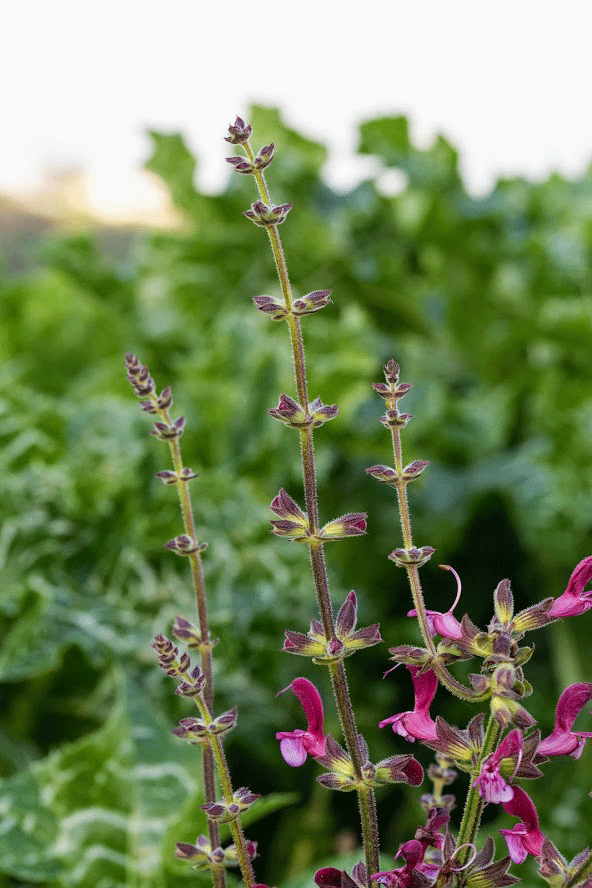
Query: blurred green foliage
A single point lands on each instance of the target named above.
(487, 305)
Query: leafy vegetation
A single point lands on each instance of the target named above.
(487, 305)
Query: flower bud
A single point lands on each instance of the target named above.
(414, 469)
(165, 399)
(238, 132)
(311, 303)
(384, 474)
(185, 545)
(352, 524)
(265, 216)
(405, 557)
(264, 157)
(392, 419)
(165, 431)
(241, 164)
(294, 522)
(139, 377)
(274, 307)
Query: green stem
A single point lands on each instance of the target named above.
(199, 586)
(445, 677)
(474, 804)
(366, 798)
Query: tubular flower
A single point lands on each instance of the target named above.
(403, 877)
(562, 740)
(445, 624)
(525, 837)
(296, 745)
(575, 600)
(417, 724)
(491, 784)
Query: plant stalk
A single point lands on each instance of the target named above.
(445, 677)
(474, 803)
(366, 798)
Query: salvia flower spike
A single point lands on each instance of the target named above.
(296, 745)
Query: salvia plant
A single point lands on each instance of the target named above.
(499, 748)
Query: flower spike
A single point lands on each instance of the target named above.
(296, 745)
(562, 740)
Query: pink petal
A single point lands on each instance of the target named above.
(292, 750)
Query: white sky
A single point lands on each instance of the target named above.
(508, 82)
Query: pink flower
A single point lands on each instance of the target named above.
(413, 852)
(445, 624)
(562, 740)
(492, 786)
(524, 838)
(575, 600)
(417, 725)
(296, 745)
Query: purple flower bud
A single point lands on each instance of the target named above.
(241, 164)
(167, 477)
(405, 557)
(275, 308)
(238, 132)
(353, 524)
(311, 303)
(384, 474)
(392, 419)
(347, 616)
(264, 157)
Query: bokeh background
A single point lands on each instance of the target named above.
(466, 256)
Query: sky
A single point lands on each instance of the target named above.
(508, 83)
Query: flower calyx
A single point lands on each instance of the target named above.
(484, 872)
(292, 414)
(293, 523)
(190, 636)
(272, 306)
(195, 730)
(168, 477)
(352, 524)
(462, 746)
(311, 302)
(185, 545)
(345, 641)
(201, 855)
(530, 618)
(168, 431)
(225, 812)
(413, 556)
(341, 776)
(267, 217)
(239, 132)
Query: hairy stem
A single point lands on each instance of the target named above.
(445, 677)
(199, 586)
(474, 804)
(366, 799)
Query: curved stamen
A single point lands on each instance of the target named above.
(458, 585)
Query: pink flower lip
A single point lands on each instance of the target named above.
(525, 837)
(575, 600)
(562, 740)
(492, 786)
(296, 745)
(417, 724)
